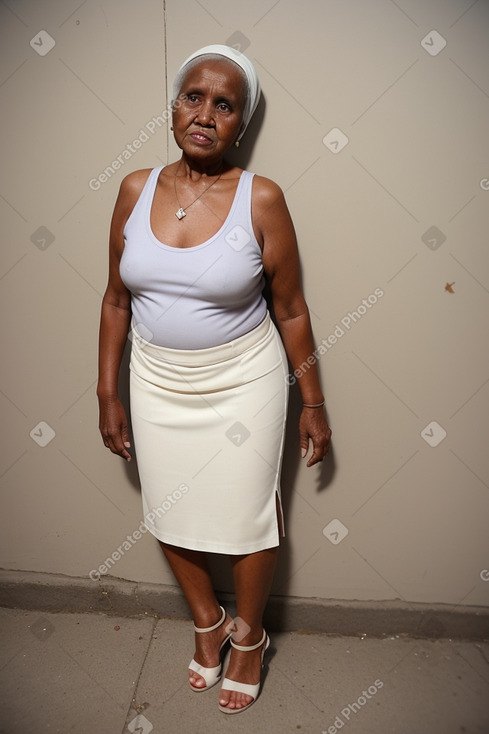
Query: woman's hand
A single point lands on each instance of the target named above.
(313, 426)
(113, 426)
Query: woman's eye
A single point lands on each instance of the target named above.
(223, 107)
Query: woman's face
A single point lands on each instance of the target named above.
(209, 110)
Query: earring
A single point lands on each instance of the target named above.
(171, 127)
(237, 143)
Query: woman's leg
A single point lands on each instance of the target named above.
(191, 570)
(253, 575)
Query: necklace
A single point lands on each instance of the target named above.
(181, 213)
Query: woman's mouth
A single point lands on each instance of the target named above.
(200, 138)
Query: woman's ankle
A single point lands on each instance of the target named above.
(207, 616)
(252, 636)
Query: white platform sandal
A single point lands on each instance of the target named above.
(246, 688)
(210, 675)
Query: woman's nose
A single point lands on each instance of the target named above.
(204, 115)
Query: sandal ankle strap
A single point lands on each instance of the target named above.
(249, 648)
(214, 626)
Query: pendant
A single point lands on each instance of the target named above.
(180, 213)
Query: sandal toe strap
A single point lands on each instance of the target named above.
(208, 674)
(249, 689)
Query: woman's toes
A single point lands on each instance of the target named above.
(234, 700)
(228, 699)
(243, 700)
(224, 697)
(196, 680)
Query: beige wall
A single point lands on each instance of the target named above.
(416, 159)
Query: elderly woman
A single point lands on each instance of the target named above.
(191, 247)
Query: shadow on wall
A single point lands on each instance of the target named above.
(241, 156)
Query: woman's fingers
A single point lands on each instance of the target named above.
(126, 442)
(120, 443)
(118, 446)
(318, 454)
(114, 429)
(315, 429)
(116, 443)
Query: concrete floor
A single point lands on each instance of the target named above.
(85, 673)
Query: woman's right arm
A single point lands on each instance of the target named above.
(114, 324)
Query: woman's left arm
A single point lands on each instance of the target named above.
(275, 233)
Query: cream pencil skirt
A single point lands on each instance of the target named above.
(208, 428)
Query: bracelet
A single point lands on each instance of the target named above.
(318, 405)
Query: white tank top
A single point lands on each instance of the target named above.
(194, 297)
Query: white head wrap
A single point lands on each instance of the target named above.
(242, 61)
